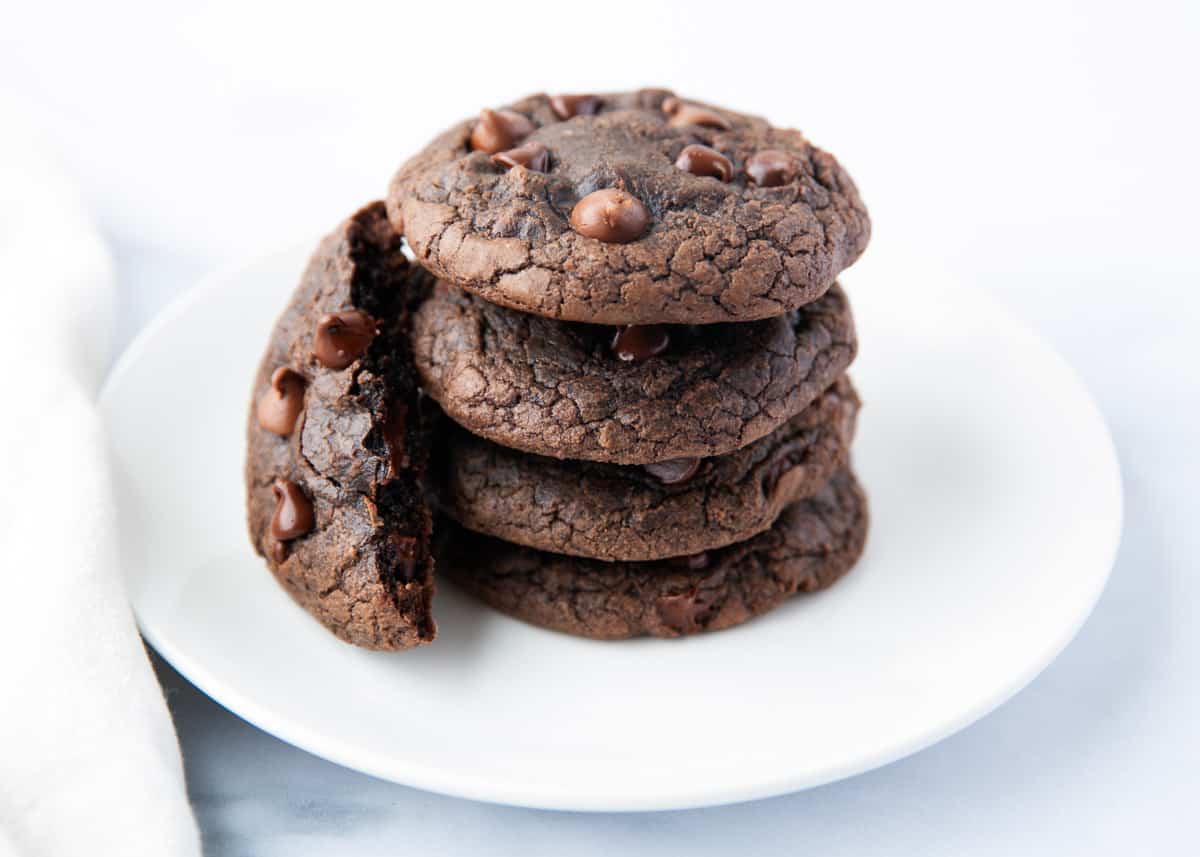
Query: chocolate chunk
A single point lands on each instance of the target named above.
(703, 161)
(610, 215)
(281, 404)
(498, 130)
(640, 342)
(293, 511)
(771, 168)
(533, 156)
(692, 562)
(674, 471)
(566, 106)
(343, 337)
(690, 114)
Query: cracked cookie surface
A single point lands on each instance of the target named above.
(336, 456)
(812, 544)
(758, 223)
(614, 512)
(556, 389)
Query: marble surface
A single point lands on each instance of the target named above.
(1035, 149)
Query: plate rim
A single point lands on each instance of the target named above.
(513, 792)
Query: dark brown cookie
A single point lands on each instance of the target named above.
(336, 453)
(812, 544)
(564, 390)
(631, 513)
(636, 208)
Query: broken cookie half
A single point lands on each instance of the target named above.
(336, 447)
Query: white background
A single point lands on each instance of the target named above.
(1045, 151)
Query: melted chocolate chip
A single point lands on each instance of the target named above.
(293, 511)
(395, 435)
(566, 106)
(610, 215)
(692, 562)
(498, 130)
(405, 569)
(403, 557)
(703, 161)
(690, 114)
(281, 404)
(532, 155)
(687, 611)
(343, 337)
(774, 473)
(640, 342)
(771, 168)
(675, 471)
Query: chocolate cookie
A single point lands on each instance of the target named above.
(336, 451)
(632, 513)
(633, 396)
(630, 208)
(812, 544)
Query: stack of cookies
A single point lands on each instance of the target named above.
(624, 308)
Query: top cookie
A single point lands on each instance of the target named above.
(630, 208)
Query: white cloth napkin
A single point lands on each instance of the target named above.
(89, 763)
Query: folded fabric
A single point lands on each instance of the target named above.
(89, 762)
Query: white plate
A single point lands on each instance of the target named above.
(996, 513)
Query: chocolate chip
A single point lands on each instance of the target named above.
(566, 106)
(674, 471)
(703, 161)
(533, 156)
(771, 168)
(343, 337)
(610, 215)
(692, 562)
(498, 130)
(281, 404)
(640, 341)
(293, 511)
(690, 114)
